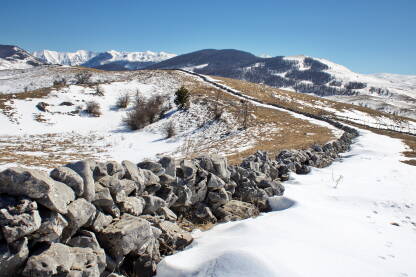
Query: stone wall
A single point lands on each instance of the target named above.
(90, 218)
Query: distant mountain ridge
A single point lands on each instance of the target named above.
(109, 60)
(14, 57)
(390, 93)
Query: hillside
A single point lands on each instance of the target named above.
(13, 57)
(258, 142)
(306, 75)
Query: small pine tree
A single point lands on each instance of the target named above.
(182, 98)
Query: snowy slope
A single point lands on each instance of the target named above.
(13, 57)
(64, 58)
(111, 60)
(336, 221)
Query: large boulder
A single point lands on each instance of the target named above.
(126, 235)
(57, 259)
(70, 178)
(51, 228)
(100, 221)
(153, 204)
(18, 218)
(236, 210)
(121, 189)
(168, 163)
(86, 170)
(155, 167)
(115, 169)
(80, 213)
(36, 185)
(132, 172)
(13, 257)
(87, 239)
(133, 205)
(173, 238)
(215, 164)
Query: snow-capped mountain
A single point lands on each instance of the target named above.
(109, 60)
(13, 57)
(390, 93)
(64, 58)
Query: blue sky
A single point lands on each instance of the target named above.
(366, 36)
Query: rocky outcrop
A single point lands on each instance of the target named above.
(106, 219)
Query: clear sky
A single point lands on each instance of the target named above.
(368, 36)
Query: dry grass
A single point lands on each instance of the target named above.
(285, 98)
(265, 93)
(271, 130)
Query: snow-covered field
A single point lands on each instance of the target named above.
(354, 218)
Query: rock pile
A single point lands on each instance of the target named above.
(89, 218)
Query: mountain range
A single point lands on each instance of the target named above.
(392, 93)
(109, 60)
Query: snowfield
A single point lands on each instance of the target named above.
(354, 218)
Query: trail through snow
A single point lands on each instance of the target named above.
(336, 221)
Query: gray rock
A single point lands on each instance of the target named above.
(85, 263)
(133, 205)
(173, 237)
(167, 194)
(115, 169)
(120, 189)
(215, 164)
(101, 221)
(80, 213)
(215, 182)
(133, 173)
(188, 169)
(87, 239)
(204, 213)
(36, 185)
(102, 198)
(13, 257)
(57, 259)
(236, 210)
(153, 204)
(70, 178)
(86, 170)
(184, 196)
(126, 235)
(19, 219)
(99, 171)
(149, 177)
(168, 163)
(51, 228)
(149, 165)
(199, 191)
(167, 213)
(166, 179)
(218, 197)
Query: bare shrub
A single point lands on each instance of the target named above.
(123, 101)
(93, 108)
(59, 82)
(99, 91)
(170, 129)
(145, 112)
(83, 78)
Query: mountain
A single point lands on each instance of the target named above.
(13, 57)
(385, 92)
(109, 60)
(64, 58)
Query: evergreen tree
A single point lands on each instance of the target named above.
(182, 99)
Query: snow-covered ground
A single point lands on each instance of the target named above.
(354, 218)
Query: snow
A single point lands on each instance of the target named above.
(335, 221)
(65, 58)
